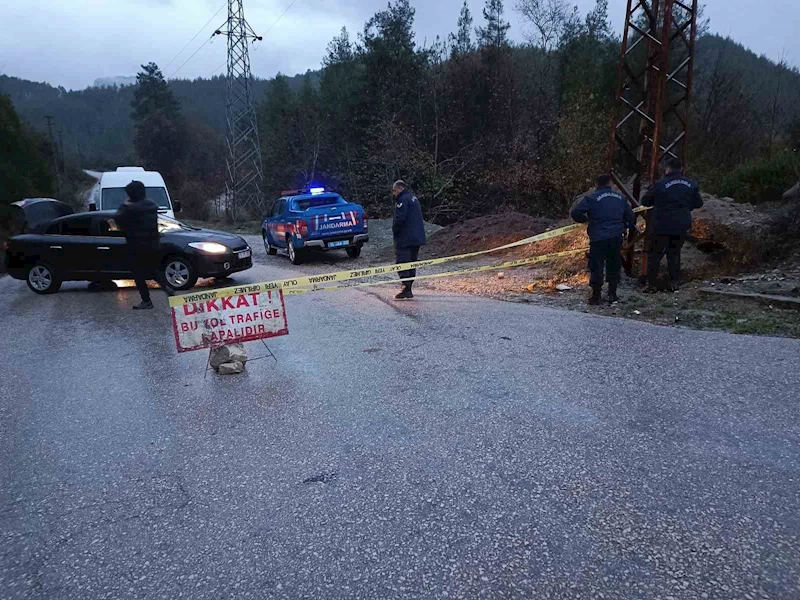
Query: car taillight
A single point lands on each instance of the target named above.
(302, 229)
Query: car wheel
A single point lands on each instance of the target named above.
(354, 251)
(295, 255)
(271, 250)
(179, 273)
(42, 279)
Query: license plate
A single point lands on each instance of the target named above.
(338, 244)
(245, 254)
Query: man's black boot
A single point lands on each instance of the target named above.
(595, 298)
(405, 294)
(612, 294)
(143, 305)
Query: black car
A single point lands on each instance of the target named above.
(90, 247)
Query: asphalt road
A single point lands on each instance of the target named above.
(453, 447)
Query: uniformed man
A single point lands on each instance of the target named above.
(608, 215)
(408, 229)
(673, 199)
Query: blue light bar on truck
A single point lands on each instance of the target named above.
(316, 191)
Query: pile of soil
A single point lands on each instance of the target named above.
(486, 232)
(737, 232)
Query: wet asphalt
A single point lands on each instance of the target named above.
(452, 447)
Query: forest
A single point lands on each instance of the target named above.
(473, 121)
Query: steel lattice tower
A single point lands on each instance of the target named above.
(245, 177)
(654, 91)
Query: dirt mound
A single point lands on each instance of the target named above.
(737, 232)
(486, 232)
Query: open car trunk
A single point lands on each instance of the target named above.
(33, 214)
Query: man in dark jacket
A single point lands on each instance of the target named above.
(409, 233)
(673, 199)
(608, 215)
(138, 219)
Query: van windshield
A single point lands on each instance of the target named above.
(114, 197)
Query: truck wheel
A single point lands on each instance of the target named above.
(295, 255)
(271, 250)
(42, 279)
(354, 251)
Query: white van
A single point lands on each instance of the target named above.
(112, 190)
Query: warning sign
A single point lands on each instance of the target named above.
(207, 320)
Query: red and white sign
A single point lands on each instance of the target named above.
(208, 321)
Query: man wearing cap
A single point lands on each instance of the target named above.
(408, 229)
(138, 219)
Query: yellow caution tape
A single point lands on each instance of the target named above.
(506, 265)
(311, 281)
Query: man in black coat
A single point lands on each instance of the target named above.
(138, 219)
(673, 199)
(408, 229)
(608, 215)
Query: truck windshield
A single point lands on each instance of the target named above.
(307, 203)
(114, 197)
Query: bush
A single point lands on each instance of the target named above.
(763, 180)
(197, 198)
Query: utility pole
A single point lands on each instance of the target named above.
(63, 158)
(245, 176)
(54, 152)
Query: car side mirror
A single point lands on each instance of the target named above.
(92, 207)
(176, 206)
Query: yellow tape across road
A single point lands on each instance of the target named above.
(506, 265)
(315, 281)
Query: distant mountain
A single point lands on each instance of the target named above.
(112, 81)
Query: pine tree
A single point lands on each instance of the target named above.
(340, 50)
(153, 94)
(495, 34)
(461, 41)
(160, 130)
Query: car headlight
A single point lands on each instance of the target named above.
(209, 247)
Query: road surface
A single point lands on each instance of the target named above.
(453, 447)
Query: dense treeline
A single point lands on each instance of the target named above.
(25, 158)
(475, 122)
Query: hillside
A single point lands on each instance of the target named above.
(96, 121)
(97, 127)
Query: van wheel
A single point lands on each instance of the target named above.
(295, 255)
(179, 273)
(354, 251)
(271, 250)
(42, 279)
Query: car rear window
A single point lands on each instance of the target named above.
(307, 203)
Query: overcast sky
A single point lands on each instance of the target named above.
(71, 43)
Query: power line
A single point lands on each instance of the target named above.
(195, 36)
(265, 33)
(275, 23)
(191, 57)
